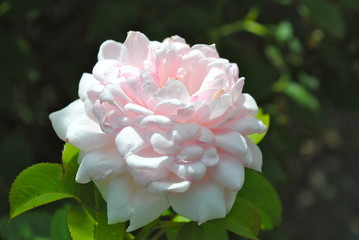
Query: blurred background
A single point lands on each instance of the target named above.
(301, 63)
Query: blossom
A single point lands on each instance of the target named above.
(162, 124)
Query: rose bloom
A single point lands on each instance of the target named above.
(160, 125)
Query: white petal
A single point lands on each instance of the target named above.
(190, 152)
(112, 50)
(246, 125)
(147, 162)
(96, 165)
(203, 201)
(102, 68)
(213, 109)
(169, 107)
(144, 176)
(250, 104)
(232, 142)
(210, 157)
(206, 136)
(86, 135)
(182, 132)
(208, 50)
(173, 89)
(61, 119)
(230, 198)
(85, 82)
(237, 89)
(189, 171)
(137, 45)
(229, 172)
(130, 140)
(155, 120)
(162, 144)
(256, 156)
(135, 109)
(168, 186)
(128, 201)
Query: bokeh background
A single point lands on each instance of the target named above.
(301, 63)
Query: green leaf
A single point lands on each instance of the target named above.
(105, 231)
(38, 185)
(59, 228)
(70, 155)
(243, 219)
(81, 224)
(214, 232)
(265, 118)
(263, 197)
(191, 231)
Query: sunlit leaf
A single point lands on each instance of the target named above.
(265, 118)
(81, 224)
(38, 185)
(263, 197)
(105, 231)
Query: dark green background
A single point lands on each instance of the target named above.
(301, 63)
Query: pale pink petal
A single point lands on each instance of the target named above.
(102, 68)
(256, 156)
(169, 107)
(229, 172)
(189, 171)
(98, 164)
(250, 104)
(210, 157)
(203, 201)
(130, 140)
(246, 125)
(128, 201)
(155, 120)
(232, 142)
(162, 144)
(148, 161)
(137, 45)
(230, 196)
(172, 90)
(168, 186)
(181, 132)
(61, 119)
(85, 82)
(190, 152)
(236, 89)
(86, 134)
(112, 50)
(209, 51)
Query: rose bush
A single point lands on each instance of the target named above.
(160, 125)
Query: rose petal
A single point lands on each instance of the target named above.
(210, 157)
(126, 200)
(85, 82)
(137, 45)
(246, 125)
(98, 164)
(229, 172)
(61, 119)
(189, 171)
(112, 50)
(203, 201)
(232, 142)
(168, 186)
(130, 140)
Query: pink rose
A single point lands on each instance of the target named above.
(160, 125)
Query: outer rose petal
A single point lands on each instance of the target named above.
(129, 201)
(203, 201)
(112, 50)
(61, 119)
(229, 172)
(137, 45)
(98, 164)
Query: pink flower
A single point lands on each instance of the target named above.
(160, 125)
